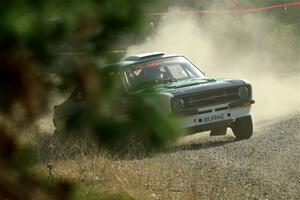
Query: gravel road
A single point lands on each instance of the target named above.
(267, 166)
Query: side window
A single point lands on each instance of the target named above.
(133, 72)
(177, 71)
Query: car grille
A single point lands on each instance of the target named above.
(215, 97)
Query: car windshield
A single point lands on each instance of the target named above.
(161, 71)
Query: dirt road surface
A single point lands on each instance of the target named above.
(267, 166)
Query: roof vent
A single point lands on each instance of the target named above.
(143, 56)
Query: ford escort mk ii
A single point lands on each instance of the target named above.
(202, 103)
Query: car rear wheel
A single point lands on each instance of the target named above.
(242, 128)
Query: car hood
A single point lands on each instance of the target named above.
(200, 84)
(193, 85)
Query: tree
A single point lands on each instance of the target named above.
(34, 39)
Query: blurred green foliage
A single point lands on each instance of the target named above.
(46, 45)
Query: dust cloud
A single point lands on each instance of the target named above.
(255, 47)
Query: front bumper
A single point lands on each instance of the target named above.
(215, 116)
(210, 126)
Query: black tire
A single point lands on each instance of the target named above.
(242, 128)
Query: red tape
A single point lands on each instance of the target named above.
(246, 10)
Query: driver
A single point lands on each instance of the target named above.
(154, 74)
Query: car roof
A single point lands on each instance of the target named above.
(138, 58)
(145, 57)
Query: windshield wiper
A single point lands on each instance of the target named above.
(169, 80)
(153, 83)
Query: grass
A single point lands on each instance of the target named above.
(172, 175)
(100, 172)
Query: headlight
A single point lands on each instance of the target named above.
(178, 104)
(243, 92)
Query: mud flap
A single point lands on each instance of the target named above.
(218, 131)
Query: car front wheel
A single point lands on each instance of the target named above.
(242, 128)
